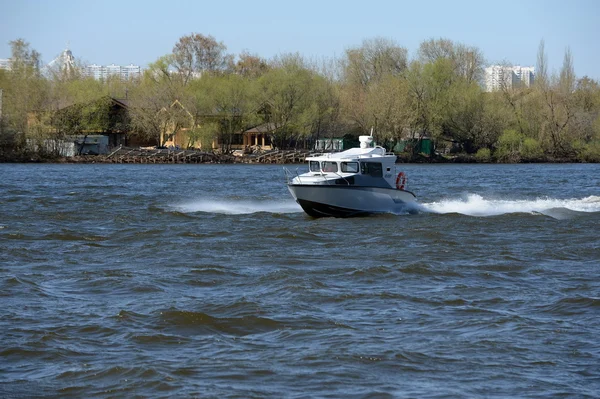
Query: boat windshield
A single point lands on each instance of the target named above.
(350, 167)
(373, 169)
(329, 166)
(314, 166)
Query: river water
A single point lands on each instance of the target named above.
(209, 281)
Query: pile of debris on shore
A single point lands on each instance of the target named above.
(169, 155)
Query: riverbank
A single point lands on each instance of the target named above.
(126, 155)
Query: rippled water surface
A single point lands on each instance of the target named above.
(209, 281)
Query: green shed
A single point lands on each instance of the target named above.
(423, 146)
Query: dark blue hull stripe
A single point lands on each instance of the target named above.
(317, 210)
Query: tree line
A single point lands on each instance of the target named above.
(214, 95)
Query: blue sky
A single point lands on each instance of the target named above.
(138, 32)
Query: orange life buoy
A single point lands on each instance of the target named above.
(400, 181)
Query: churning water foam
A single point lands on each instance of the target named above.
(476, 205)
(470, 205)
(238, 207)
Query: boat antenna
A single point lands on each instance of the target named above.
(371, 131)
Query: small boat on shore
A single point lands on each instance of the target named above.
(355, 182)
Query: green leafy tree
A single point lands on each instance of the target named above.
(509, 146)
(587, 111)
(233, 102)
(323, 116)
(24, 60)
(365, 72)
(483, 155)
(428, 86)
(387, 108)
(151, 104)
(531, 150)
(25, 90)
(288, 90)
(25, 93)
(465, 119)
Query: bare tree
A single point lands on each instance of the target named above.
(558, 97)
(24, 57)
(250, 65)
(196, 53)
(567, 73)
(468, 61)
(512, 96)
(372, 61)
(541, 76)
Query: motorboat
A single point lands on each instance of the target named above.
(358, 181)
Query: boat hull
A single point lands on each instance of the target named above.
(344, 201)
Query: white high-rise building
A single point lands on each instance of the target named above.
(525, 75)
(113, 70)
(498, 77)
(94, 71)
(103, 72)
(5, 63)
(130, 72)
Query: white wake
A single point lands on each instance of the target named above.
(476, 205)
(470, 204)
(238, 207)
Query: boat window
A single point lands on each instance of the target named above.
(314, 166)
(350, 167)
(373, 169)
(329, 166)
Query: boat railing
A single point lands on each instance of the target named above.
(289, 175)
(384, 151)
(343, 178)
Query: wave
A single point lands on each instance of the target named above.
(238, 207)
(476, 205)
(469, 204)
(202, 322)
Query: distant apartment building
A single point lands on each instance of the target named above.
(525, 75)
(5, 63)
(99, 72)
(130, 72)
(500, 76)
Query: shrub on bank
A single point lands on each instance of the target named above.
(483, 155)
(591, 152)
(531, 150)
(509, 146)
